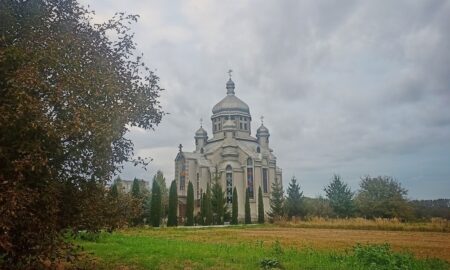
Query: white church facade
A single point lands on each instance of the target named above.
(241, 160)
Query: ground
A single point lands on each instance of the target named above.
(245, 247)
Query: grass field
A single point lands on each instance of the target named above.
(262, 247)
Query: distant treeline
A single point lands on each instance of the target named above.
(377, 197)
(426, 209)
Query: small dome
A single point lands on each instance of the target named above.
(230, 87)
(229, 124)
(262, 131)
(201, 133)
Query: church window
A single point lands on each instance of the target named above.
(182, 175)
(219, 127)
(240, 125)
(250, 178)
(265, 180)
(240, 118)
(198, 186)
(245, 126)
(201, 150)
(258, 149)
(232, 117)
(215, 127)
(229, 180)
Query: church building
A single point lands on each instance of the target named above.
(239, 159)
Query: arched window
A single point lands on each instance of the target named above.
(229, 179)
(265, 175)
(250, 178)
(258, 149)
(183, 174)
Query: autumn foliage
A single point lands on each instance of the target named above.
(69, 94)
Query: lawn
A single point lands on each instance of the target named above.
(259, 247)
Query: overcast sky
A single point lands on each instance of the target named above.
(348, 87)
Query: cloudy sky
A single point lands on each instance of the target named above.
(348, 87)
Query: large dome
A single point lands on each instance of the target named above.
(231, 103)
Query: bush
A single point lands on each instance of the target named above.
(382, 257)
(270, 263)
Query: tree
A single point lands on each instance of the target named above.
(382, 196)
(208, 207)
(317, 207)
(190, 205)
(218, 201)
(172, 219)
(155, 212)
(159, 177)
(294, 200)
(260, 206)
(234, 214)
(248, 217)
(340, 197)
(276, 201)
(69, 94)
(114, 191)
(135, 189)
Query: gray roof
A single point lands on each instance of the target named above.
(262, 130)
(201, 133)
(231, 102)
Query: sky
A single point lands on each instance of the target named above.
(353, 88)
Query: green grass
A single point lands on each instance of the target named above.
(118, 250)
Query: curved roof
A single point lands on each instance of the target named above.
(201, 133)
(262, 130)
(231, 103)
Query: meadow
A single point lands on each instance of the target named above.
(266, 247)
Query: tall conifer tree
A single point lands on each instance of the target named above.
(190, 205)
(234, 214)
(248, 216)
(155, 208)
(136, 189)
(340, 197)
(294, 200)
(208, 207)
(172, 219)
(276, 201)
(260, 206)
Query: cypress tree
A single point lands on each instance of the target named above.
(208, 207)
(172, 219)
(234, 214)
(260, 206)
(135, 189)
(248, 217)
(190, 205)
(202, 209)
(218, 202)
(155, 209)
(114, 192)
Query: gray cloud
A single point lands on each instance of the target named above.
(346, 87)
